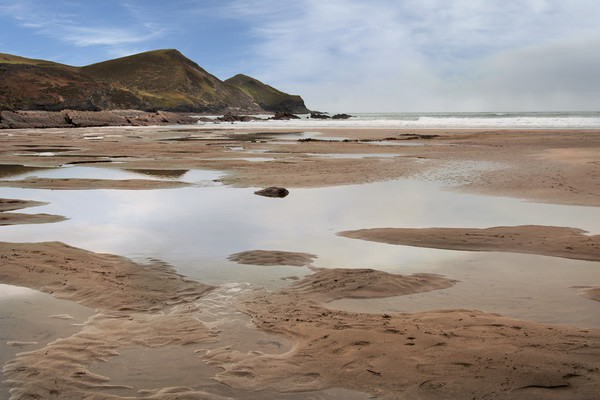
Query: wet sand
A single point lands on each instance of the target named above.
(544, 240)
(592, 293)
(432, 355)
(550, 166)
(7, 217)
(437, 354)
(147, 305)
(89, 184)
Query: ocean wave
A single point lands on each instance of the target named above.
(506, 120)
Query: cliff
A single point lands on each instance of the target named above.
(267, 97)
(150, 81)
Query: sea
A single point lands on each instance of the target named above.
(446, 120)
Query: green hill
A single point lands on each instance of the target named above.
(155, 80)
(27, 84)
(10, 59)
(268, 97)
(166, 80)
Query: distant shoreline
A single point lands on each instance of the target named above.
(238, 119)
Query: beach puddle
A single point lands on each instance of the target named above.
(139, 371)
(197, 228)
(395, 143)
(305, 136)
(77, 171)
(30, 319)
(250, 159)
(235, 329)
(522, 286)
(144, 368)
(36, 318)
(175, 174)
(8, 171)
(143, 371)
(354, 155)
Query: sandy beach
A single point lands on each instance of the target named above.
(311, 350)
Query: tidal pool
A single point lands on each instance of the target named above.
(30, 319)
(196, 228)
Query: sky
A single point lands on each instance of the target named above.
(343, 55)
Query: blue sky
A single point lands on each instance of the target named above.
(343, 55)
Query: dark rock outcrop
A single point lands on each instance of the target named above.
(80, 119)
(163, 118)
(231, 117)
(284, 115)
(93, 118)
(273, 191)
(32, 119)
(319, 115)
(341, 116)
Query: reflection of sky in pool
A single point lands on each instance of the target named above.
(197, 228)
(79, 172)
(354, 155)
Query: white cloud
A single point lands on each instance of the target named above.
(426, 54)
(69, 27)
(560, 76)
(108, 36)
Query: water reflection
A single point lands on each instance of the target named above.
(199, 177)
(521, 286)
(8, 291)
(354, 155)
(160, 173)
(197, 228)
(30, 319)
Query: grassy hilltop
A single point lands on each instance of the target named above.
(154, 80)
(268, 97)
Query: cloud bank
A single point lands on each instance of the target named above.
(433, 55)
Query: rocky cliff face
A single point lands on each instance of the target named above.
(156, 80)
(80, 119)
(267, 97)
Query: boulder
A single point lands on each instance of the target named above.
(273, 191)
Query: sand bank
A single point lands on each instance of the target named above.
(12, 218)
(17, 204)
(432, 355)
(101, 281)
(87, 184)
(544, 240)
(273, 257)
(592, 293)
(438, 354)
(137, 304)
